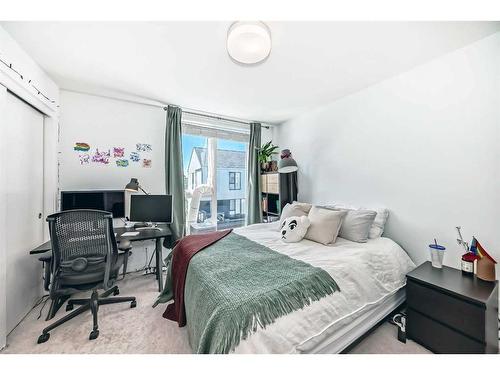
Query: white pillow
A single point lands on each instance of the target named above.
(306, 207)
(378, 225)
(294, 228)
(377, 228)
(325, 225)
(294, 209)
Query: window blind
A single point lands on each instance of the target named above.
(214, 128)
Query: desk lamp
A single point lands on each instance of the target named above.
(133, 186)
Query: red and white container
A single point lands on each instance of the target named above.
(467, 263)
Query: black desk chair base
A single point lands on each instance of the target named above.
(91, 304)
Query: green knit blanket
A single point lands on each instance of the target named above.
(237, 285)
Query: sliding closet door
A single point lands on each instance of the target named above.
(23, 158)
(3, 226)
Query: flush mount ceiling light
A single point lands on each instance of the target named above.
(249, 42)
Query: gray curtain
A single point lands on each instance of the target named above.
(254, 209)
(174, 175)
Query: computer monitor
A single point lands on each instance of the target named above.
(106, 200)
(151, 208)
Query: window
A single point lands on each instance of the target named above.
(215, 155)
(234, 180)
(236, 206)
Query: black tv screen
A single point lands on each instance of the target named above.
(106, 200)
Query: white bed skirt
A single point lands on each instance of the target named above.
(348, 334)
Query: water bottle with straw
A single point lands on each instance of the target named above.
(437, 254)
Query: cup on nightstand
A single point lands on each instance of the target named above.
(437, 255)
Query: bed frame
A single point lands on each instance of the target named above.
(344, 339)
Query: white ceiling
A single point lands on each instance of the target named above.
(186, 63)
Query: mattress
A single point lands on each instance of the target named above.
(371, 277)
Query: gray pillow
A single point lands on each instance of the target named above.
(356, 225)
(325, 225)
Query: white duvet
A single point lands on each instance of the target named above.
(366, 274)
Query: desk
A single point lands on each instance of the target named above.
(144, 234)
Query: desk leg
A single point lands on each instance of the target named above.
(55, 305)
(159, 264)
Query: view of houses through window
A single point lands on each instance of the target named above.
(234, 180)
(227, 172)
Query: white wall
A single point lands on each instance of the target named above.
(12, 53)
(267, 134)
(104, 123)
(424, 144)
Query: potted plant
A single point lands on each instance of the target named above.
(264, 155)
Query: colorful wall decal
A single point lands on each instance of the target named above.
(145, 147)
(84, 159)
(101, 157)
(118, 152)
(122, 163)
(81, 146)
(135, 156)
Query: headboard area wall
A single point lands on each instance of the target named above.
(424, 144)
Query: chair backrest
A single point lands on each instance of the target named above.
(86, 235)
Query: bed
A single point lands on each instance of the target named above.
(371, 277)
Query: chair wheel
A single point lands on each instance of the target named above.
(133, 304)
(43, 337)
(116, 292)
(69, 307)
(94, 334)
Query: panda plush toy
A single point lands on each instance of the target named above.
(294, 228)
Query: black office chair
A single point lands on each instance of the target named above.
(84, 257)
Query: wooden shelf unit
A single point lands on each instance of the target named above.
(278, 189)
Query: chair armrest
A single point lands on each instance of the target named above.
(124, 246)
(168, 242)
(46, 258)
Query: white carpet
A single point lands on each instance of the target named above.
(143, 329)
(384, 340)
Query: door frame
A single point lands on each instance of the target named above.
(3, 237)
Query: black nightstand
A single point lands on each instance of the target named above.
(448, 312)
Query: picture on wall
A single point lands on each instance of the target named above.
(122, 163)
(88, 155)
(101, 157)
(84, 159)
(81, 146)
(144, 147)
(118, 152)
(135, 156)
